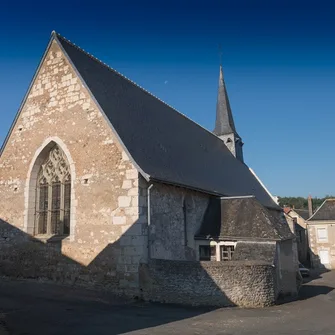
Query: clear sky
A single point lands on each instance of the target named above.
(278, 58)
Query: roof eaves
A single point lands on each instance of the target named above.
(238, 197)
(214, 193)
(145, 175)
(320, 222)
(239, 238)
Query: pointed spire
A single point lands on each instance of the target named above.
(224, 123)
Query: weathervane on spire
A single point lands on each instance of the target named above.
(220, 54)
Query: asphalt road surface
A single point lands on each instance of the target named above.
(28, 308)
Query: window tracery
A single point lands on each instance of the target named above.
(53, 199)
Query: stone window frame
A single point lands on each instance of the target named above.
(217, 246)
(31, 185)
(317, 234)
(54, 179)
(230, 252)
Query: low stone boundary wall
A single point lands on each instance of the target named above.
(240, 283)
(22, 256)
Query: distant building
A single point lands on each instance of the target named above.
(321, 235)
(299, 217)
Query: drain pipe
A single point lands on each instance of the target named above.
(149, 220)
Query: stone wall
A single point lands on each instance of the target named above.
(176, 216)
(298, 226)
(286, 269)
(327, 246)
(244, 284)
(108, 227)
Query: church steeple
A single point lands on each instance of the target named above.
(224, 124)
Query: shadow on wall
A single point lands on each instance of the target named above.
(119, 268)
(23, 256)
(315, 262)
(316, 267)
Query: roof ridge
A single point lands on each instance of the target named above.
(131, 81)
(310, 218)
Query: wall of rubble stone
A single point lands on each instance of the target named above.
(176, 216)
(244, 284)
(108, 227)
(286, 269)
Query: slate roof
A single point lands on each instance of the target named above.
(224, 123)
(246, 251)
(304, 213)
(326, 211)
(163, 144)
(246, 218)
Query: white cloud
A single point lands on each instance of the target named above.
(166, 81)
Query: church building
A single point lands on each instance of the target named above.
(104, 185)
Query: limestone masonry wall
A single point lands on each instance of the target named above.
(108, 226)
(317, 246)
(245, 284)
(176, 216)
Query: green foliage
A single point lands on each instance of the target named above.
(301, 203)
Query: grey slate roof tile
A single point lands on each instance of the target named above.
(304, 213)
(224, 123)
(166, 145)
(246, 251)
(244, 218)
(326, 212)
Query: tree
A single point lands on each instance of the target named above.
(302, 203)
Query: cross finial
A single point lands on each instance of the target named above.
(220, 54)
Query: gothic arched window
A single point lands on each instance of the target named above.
(53, 197)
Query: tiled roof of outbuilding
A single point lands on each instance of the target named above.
(243, 218)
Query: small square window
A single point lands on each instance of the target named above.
(227, 252)
(207, 253)
(322, 234)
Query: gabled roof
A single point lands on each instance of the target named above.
(224, 123)
(304, 213)
(326, 212)
(243, 218)
(163, 144)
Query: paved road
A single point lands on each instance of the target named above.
(28, 308)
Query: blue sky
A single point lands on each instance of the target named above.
(278, 58)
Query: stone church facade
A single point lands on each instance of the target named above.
(88, 200)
